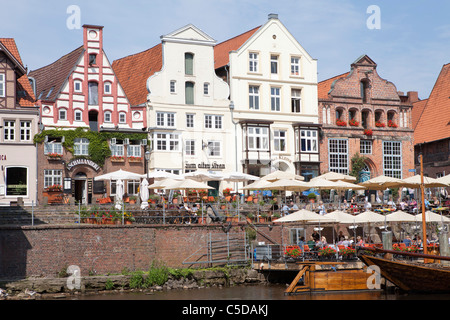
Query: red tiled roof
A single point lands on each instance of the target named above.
(417, 110)
(24, 92)
(222, 50)
(133, 72)
(434, 121)
(324, 86)
(10, 45)
(55, 74)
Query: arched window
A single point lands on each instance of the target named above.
(364, 90)
(189, 63)
(93, 93)
(189, 92)
(107, 87)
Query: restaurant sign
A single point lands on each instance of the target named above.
(213, 166)
(87, 162)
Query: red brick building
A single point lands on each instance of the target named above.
(361, 112)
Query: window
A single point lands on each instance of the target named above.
(189, 63)
(338, 155)
(296, 100)
(134, 150)
(206, 88)
(78, 115)
(258, 138)
(122, 117)
(365, 147)
(253, 93)
(25, 130)
(308, 140)
(275, 99)
(53, 146)
(214, 148)
(92, 58)
(93, 94)
(62, 114)
(189, 92)
(364, 90)
(77, 86)
(117, 149)
(173, 86)
(9, 130)
(107, 116)
(107, 87)
(253, 62)
(295, 66)
(213, 121)
(165, 119)
(52, 177)
(279, 140)
(2, 85)
(189, 120)
(167, 141)
(392, 159)
(81, 147)
(273, 64)
(16, 181)
(339, 114)
(190, 148)
(133, 187)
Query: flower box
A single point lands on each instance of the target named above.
(392, 124)
(117, 159)
(341, 123)
(134, 159)
(368, 132)
(353, 123)
(54, 156)
(380, 124)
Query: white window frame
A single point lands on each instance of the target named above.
(253, 59)
(53, 147)
(258, 138)
(295, 66)
(132, 187)
(77, 83)
(365, 146)
(173, 86)
(338, 155)
(62, 114)
(253, 97)
(134, 150)
(166, 141)
(107, 84)
(77, 112)
(122, 117)
(190, 120)
(274, 64)
(9, 129)
(117, 149)
(81, 147)
(107, 117)
(213, 121)
(165, 119)
(309, 142)
(206, 88)
(280, 140)
(275, 98)
(392, 159)
(189, 147)
(25, 130)
(296, 97)
(52, 177)
(214, 148)
(2, 85)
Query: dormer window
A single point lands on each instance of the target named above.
(77, 86)
(107, 87)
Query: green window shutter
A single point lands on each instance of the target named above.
(189, 92)
(189, 63)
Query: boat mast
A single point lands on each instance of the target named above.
(424, 223)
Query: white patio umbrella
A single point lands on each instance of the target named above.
(119, 175)
(341, 217)
(257, 185)
(144, 194)
(277, 175)
(415, 182)
(320, 183)
(186, 184)
(203, 176)
(119, 194)
(400, 216)
(239, 177)
(335, 176)
(162, 183)
(369, 217)
(432, 217)
(304, 216)
(287, 185)
(444, 179)
(382, 183)
(158, 175)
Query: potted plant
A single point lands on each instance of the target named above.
(347, 253)
(293, 252)
(128, 217)
(326, 253)
(379, 124)
(312, 197)
(250, 217)
(132, 199)
(341, 123)
(263, 217)
(276, 216)
(392, 124)
(368, 132)
(54, 156)
(353, 123)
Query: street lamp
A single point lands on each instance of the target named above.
(147, 159)
(235, 152)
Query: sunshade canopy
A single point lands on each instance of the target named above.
(335, 176)
(304, 216)
(277, 175)
(119, 174)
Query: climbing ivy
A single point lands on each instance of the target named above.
(98, 141)
(358, 163)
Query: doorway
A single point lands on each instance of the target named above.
(93, 120)
(80, 187)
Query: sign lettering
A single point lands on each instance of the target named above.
(87, 162)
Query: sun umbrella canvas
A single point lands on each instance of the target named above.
(287, 185)
(382, 183)
(277, 175)
(415, 182)
(335, 176)
(304, 216)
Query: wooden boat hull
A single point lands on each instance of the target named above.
(411, 277)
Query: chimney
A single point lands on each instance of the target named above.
(273, 16)
(413, 96)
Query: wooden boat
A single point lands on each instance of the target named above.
(410, 276)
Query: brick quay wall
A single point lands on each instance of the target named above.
(46, 250)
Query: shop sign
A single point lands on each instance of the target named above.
(212, 166)
(87, 162)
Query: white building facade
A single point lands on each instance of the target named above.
(273, 83)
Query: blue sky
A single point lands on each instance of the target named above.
(410, 47)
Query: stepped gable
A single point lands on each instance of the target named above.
(324, 87)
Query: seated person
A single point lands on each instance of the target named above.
(321, 208)
(285, 210)
(294, 207)
(407, 241)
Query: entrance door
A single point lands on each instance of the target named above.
(80, 188)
